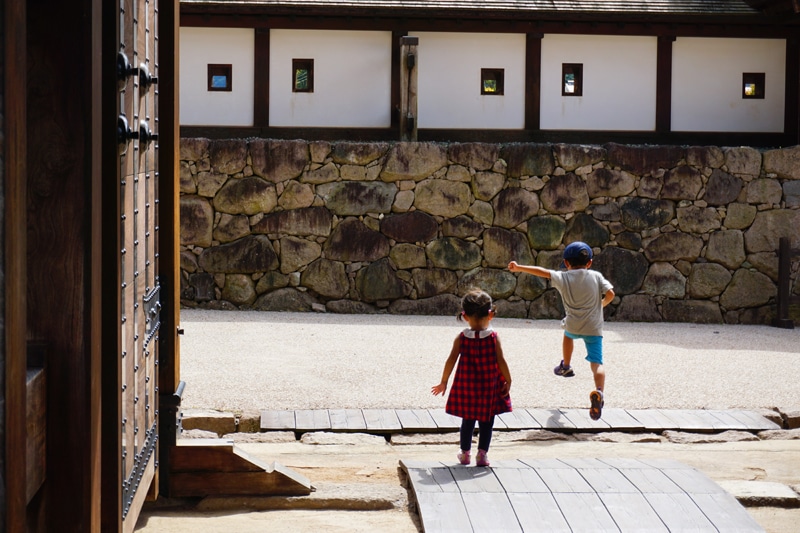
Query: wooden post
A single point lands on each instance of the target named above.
(782, 319)
(408, 88)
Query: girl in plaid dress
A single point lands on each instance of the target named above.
(481, 386)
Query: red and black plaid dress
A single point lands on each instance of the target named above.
(477, 388)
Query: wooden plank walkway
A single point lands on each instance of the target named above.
(602, 495)
(387, 421)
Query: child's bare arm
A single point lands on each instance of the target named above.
(529, 269)
(502, 365)
(448, 368)
(608, 297)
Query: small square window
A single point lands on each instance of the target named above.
(753, 85)
(572, 79)
(492, 81)
(302, 75)
(220, 78)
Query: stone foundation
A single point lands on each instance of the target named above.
(685, 234)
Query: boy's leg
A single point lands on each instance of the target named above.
(594, 354)
(567, 346)
(599, 376)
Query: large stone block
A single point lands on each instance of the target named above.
(415, 226)
(192, 149)
(572, 156)
(743, 161)
(791, 193)
(608, 182)
(296, 195)
(625, 269)
(228, 156)
(407, 256)
(433, 281)
(764, 191)
(326, 278)
(361, 154)
(637, 308)
(307, 221)
(379, 281)
(197, 219)
(722, 188)
(231, 227)
(324, 174)
(747, 289)
(565, 194)
(642, 160)
(546, 232)
(694, 311)
(769, 226)
(726, 248)
(270, 281)
(609, 212)
(705, 156)
(514, 206)
(480, 156)
(239, 289)
(288, 300)
(642, 213)
(785, 162)
(209, 183)
(663, 279)
(187, 183)
(453, 253)
(498, 283)
(246, 196)
(694, 219)
(583, 227)
(547, 306)
(528, 159)
(441, 305)
(442, 198)
(530, 287)
(355, 198)
(707, 280)
(278, 160)
(674, 246)
(351, 240)
(461, 227)
(682, 183)
(501, 246)
(297, 253)
(245, 256)
(740, 216)
(413, 161)
(486, 185)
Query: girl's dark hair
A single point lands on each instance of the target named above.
(476, 303)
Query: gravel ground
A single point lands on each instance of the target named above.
(253, 360)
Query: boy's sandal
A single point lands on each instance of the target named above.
(596, 410)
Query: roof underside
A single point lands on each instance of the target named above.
(652, 7)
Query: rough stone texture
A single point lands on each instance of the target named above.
(277, 160)
(246, 196)
(414, 226)
(683, 437)
(528, 159)
(761, 493)
(707, 280)
(245, 256)
(351, 240)
(785, 162)
(413, 161)
(418, 222)
(565, 194)
(606, 182)
(217, 422)
(443, 304)
(354, 198)
(514, 206)
(197, 217)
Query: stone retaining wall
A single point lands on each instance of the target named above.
(685, 234)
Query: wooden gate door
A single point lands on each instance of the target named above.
(138, 315)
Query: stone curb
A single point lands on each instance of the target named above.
(761, 493)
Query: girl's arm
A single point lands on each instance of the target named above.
(533, 270)
(448, 368)
(502, 365)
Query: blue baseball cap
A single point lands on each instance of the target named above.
(579, 251)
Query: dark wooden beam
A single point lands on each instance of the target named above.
(664, 84)
(791, 120)
(261, 83)
(533, 74)
(14, 50)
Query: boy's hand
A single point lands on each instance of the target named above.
(512, 266)
(439, 389)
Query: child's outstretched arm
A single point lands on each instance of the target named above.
(502, 365)
(448, 368)
(513, 266)
(608, 297)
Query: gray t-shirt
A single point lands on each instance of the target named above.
(582, 292)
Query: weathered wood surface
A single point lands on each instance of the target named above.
(430, 420)
(551, 495)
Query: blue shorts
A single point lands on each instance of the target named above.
(594, 346)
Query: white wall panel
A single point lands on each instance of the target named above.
(201, 47)
(619, 83)
(352, 79)
(707, 84)
(449, 80)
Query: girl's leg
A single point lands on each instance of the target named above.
(467, 430)
(485, 434)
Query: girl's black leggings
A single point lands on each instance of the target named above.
(484, 434)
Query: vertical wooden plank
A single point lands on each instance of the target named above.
(490, 512)
(693, 481)
(564, 480)
(651, 480)
(277, 420)
(261, 79)
(726, 513)
(312, 420)
(632, 512)
(533, 74)
(664, 84)
(679, 512)
(347, 420)
(442, 513)
(791, 120)
(476, 479)
(585, 512)
(14, 159)
(538, 513)
(381, 420)
(519, 480)
(416, 420)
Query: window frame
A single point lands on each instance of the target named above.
(753, 78)
(303, 64)
(496, 74)
(576, 69)
(218, 69)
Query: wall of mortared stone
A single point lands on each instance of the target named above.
(685, 234)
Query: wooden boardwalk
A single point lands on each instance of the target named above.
(551, 495)
(388, 421)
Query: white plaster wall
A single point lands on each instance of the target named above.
(707, 84)
(619, 83)
(449, 80)
(352, 78)
(200, 47)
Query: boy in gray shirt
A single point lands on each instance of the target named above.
(584, 293)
